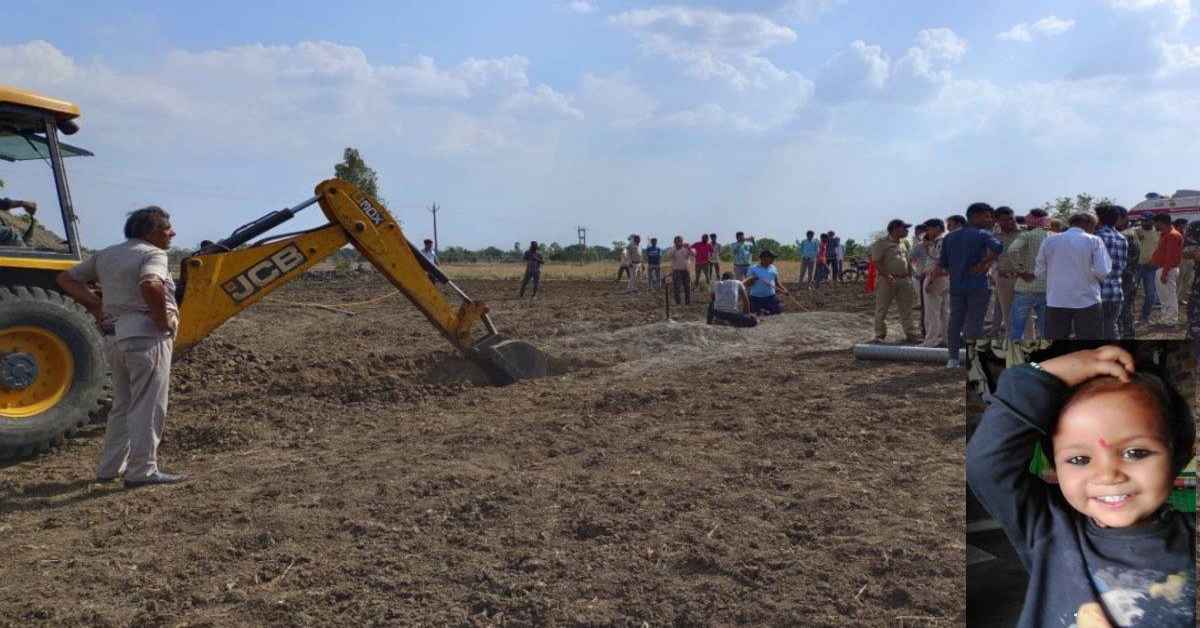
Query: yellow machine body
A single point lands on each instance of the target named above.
(219, 285)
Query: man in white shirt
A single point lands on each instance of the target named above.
(139, 295)
(731, 303)
(1073, 264)
(429, 253)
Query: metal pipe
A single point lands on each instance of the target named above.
(904, 353)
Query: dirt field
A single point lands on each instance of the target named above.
(352, 471)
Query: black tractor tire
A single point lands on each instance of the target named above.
(52, 312)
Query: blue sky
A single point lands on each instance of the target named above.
(525, 119)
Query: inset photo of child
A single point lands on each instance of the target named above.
(1081, 509)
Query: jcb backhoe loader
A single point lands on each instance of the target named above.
(51, 364)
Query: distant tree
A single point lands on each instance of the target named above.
(554, 250)
(617, 247)
(854, 249)
(1063, 206)
(356, 171)
(761, 243)
(491, 253)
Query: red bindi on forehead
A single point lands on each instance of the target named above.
(1103, 443)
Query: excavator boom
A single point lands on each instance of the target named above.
(223, 279)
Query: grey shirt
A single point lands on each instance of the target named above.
(120, 270)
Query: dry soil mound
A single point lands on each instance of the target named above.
(645, 347)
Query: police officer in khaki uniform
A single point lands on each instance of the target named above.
(139, 296)
(894, 281)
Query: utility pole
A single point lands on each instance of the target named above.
(434, 210)
(583, 249)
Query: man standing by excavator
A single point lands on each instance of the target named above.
(139, 296)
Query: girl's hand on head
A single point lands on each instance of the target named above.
(1078, 367)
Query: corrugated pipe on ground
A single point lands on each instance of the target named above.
(904, 353)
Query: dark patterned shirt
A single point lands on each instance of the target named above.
(1118, 252)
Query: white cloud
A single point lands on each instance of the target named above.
(616, 100)
(1049, 26)
(1020, 32)
(542, 99)
(929, 62)
(807, 10)
(1178, 12)
(862, 70)
(711, 116)
(288, 98)
(1178, 58)
(581, 6)
(711, 44)
(37, 60)
(1052, 25)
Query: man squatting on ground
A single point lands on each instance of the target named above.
(730, 303)
(533, 269)
(742, 250)
(653, 264)
(1102, 545)
(680, 282)
(764, 281)
(891, 257)
(967, 253)
(139, 299)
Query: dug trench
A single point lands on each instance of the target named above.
(353, 470)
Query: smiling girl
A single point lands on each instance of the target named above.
(1104, 548)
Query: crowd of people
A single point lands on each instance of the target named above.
(992, 273)
(738, 296)
(988, 273)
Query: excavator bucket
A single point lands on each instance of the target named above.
(506, 360)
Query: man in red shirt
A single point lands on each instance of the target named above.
(1166, 259)
(703, 252)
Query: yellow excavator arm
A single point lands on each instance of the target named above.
(225, 278)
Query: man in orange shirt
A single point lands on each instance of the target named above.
(1166, 260)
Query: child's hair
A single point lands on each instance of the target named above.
(1172, 407)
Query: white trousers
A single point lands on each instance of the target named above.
(1168, 294)
(141, 376)
(937, 318)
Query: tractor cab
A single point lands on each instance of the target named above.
(52, 370)
(32, 173)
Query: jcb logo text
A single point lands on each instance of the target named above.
(263, 273)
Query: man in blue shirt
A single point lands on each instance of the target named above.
(763, 279)
(653, 263)
(808, 256)
(742, 250)
(967, 254)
